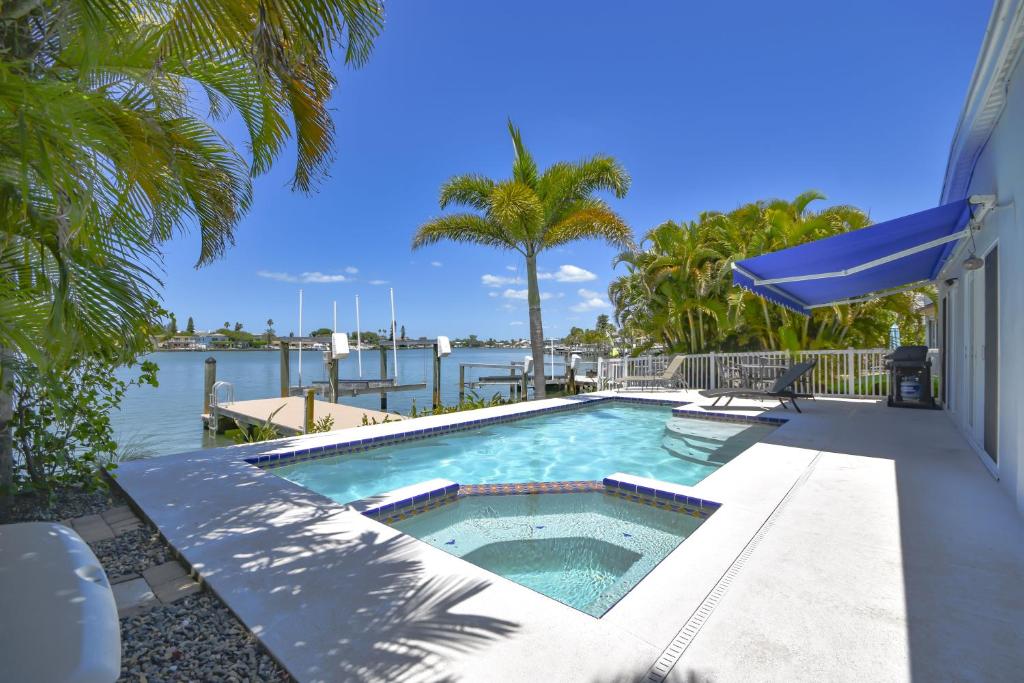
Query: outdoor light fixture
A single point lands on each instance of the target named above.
(984, 204)
(973, 262)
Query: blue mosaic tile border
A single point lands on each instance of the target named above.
(273, 460)
(410, 507)
(658, 494)
(530, 488)
(729, 417)
(420, 499)
(661, 504)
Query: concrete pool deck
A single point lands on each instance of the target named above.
(894, 555)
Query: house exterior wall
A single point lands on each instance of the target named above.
(999, 171)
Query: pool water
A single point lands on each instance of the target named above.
(586, 550)
(588, 443)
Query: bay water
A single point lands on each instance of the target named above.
(166, 419)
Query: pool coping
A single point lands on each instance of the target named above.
(192, 520)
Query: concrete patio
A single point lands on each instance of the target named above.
(856, 542)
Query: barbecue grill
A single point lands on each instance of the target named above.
(910, 377)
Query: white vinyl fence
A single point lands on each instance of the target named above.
(843, 372)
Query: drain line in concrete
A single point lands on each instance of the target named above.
(671, 655)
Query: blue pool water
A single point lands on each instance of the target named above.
(586, 550)
(584, 444)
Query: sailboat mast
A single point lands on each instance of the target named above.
(359, 340)
(394, 333)
(300, 338)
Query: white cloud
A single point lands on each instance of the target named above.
(591, 301)
(511, 268)
(492, 294)
(281, 277)
(351, 270)
(571, 273)
(499, 280)
(378, 282)
(436, 264)
(517, 323)
(309, 277)
(522, 294)
(317, 277)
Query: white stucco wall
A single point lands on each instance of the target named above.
(999, 171)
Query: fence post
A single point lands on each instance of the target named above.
(850, 365)
(600, 375)
(713, 374)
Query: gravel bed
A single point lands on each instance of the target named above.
(131, 552)
(196, 639)
(62, 504)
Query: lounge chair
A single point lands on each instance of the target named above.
(782, 389)
(667, 379)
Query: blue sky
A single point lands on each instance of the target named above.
(708, 105)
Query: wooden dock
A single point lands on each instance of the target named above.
(289, 419)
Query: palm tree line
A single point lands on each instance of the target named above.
(677, 290)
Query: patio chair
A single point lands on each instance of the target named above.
(667, 379)
(782, 389)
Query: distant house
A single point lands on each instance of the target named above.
(210, 340)
(179, 342)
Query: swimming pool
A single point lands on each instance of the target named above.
(586, 550)
(587, 443)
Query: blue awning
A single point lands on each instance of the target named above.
(867, 263)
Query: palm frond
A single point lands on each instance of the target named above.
(463, 227)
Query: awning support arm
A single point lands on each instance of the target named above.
(875, 295)
(863, 266)
(775, 290)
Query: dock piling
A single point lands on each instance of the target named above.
(307, 422)
(209, 379)
(383, 375)
(332, 379)
(462, 383)
(437, 380)
(285, 379)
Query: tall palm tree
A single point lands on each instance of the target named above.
(531, 212)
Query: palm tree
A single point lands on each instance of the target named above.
(530, 213)
(104, 156)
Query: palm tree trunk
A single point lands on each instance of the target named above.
(767, 324)
(536, 327)
(6, 437)
(693, 332)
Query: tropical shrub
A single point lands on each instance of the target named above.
(60, 428)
